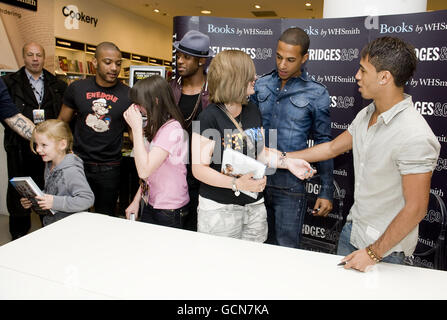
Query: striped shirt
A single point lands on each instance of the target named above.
(37, 86)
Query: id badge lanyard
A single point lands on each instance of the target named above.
(38, 114)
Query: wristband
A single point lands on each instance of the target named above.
(234, 188)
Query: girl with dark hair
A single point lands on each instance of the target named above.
(160, 151)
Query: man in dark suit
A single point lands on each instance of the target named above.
(38, 96)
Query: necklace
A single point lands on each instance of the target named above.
(196, 107)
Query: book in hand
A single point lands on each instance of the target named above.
(29, 189)
(236, 164)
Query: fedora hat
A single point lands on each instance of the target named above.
(194, 43)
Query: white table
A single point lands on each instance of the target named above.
(93, 256)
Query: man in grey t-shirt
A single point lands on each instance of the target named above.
(395, 153)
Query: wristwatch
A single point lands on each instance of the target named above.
(282, 159)
(234, 188)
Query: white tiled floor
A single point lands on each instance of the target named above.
(5, 236)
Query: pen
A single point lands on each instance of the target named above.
(342, 263)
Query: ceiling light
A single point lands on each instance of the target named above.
(257, 6)
(308, 4)
(206, 11)
(156, 10)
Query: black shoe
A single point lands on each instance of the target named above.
(16, 236)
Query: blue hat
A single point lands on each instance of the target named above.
(194, 43)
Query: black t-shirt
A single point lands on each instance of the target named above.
(186, 105)
(99, 125)
(229, 137)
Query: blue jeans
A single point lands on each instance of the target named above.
(345, 247)
(285, 216)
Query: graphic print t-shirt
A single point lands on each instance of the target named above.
(226, 135)
(99, 126)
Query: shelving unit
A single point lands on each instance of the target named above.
(4, 72)
(73, 61)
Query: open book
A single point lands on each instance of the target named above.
(29, 189)
(236, 164)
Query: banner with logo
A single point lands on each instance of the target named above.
(334, 56)
(30, 4)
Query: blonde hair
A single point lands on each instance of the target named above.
(54, 129)
(229, 74)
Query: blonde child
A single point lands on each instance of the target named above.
(66, 188)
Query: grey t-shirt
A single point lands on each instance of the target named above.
(399, 143)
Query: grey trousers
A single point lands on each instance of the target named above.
(247, 222)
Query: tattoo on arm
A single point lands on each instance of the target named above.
(22, 125)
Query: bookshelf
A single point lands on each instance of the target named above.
(4, 72)
(73, 61)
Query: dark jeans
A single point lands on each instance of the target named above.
(191, 218)
(21, 162)
(129, 184)
(165, 217)
(104, 180)
(285, 216)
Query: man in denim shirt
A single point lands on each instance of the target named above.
(295, 108)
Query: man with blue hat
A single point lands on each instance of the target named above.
(191, 94)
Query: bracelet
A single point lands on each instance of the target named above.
(282, 159)
(234, 187)
(376, 258)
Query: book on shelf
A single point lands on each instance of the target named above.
(80, 66)
(71, 66)
(126, 71)
(63, 63)
(90, 68)
(29, 189)
(236, 164)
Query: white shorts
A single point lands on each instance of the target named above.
(247, 222)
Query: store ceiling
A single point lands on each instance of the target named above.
(232, 8)
(219, 8)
